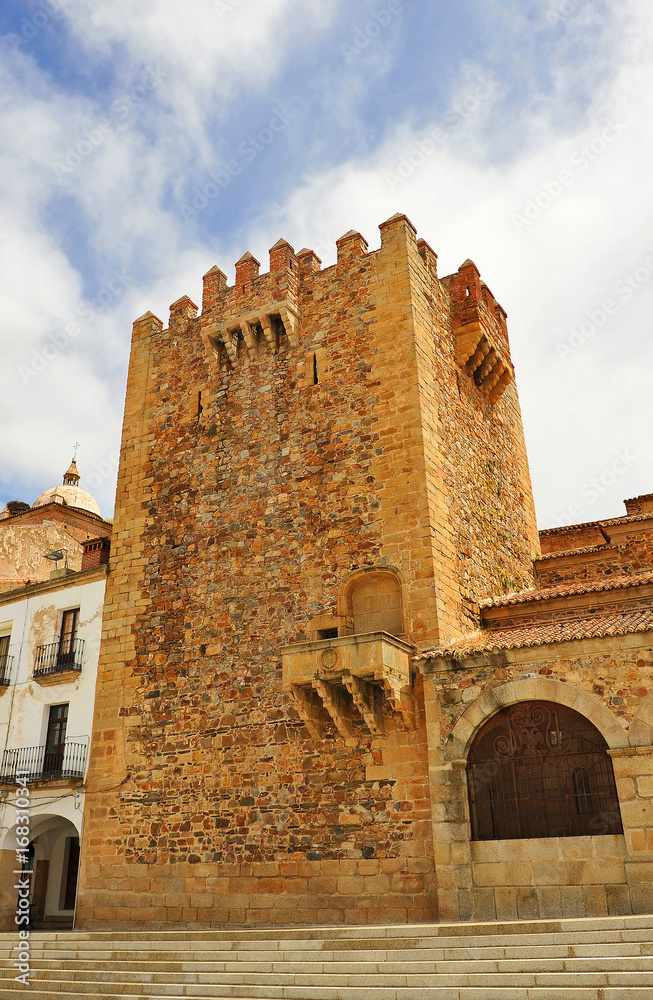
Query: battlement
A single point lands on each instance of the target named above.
(263, 312)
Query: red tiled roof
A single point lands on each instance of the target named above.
(545, 633)
(576, 552)
(567, 589)
(624, 519)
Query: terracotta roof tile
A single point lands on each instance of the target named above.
(567, 589)
(624, 519)
(545, 633)
(576, 552)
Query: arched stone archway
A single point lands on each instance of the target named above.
(534, 876)
(641, 728)
(41, 823)
(371, 601)
(533, 689)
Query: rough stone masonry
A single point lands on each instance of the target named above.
(322, 474)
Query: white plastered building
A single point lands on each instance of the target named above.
(49, 644)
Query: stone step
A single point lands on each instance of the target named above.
(52, 969)
(420, 993)
(149, 984)
(431, 942)
(602, 959)
(573, 925)
(488, 951)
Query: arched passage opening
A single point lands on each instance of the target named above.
(53, 859)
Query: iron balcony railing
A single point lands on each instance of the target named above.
(43, 764)
(56, 658)
(5, 670)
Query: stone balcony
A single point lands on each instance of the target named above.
(348, 677)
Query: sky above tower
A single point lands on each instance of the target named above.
(141, 143)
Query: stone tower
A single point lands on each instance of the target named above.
(321, 474)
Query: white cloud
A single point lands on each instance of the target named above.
(209, 53)
(548, 271)
(111, 157)
(464, 198)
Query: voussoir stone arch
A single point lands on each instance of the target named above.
(641, 728)
(533, 689)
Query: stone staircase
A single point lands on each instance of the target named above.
(605, 958)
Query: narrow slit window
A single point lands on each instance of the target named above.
(315, 378)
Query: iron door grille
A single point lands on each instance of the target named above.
(538, 769)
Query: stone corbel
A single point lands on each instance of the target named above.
(248, 337)
(496, 371)
(400, 699)
(291, 326)
(335, 704)
(362, 694)
(268, 333)
(211, 338)
(486, 367)
(477, 357)
(309, 708)
(230, 344)
(500, 387)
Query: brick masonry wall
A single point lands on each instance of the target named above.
(629, 550)
(96, 553)
(247, 494)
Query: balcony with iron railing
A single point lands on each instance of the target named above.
(6, 663)
(42, 764)
(59, 658)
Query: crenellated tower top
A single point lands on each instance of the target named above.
(263, 311)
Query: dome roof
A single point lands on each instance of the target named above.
(69, 496)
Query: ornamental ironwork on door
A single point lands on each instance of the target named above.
(537, 769)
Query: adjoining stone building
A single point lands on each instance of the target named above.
(323, 480)
(546, 721)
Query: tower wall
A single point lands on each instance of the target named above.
(308, 425)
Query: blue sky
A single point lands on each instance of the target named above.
(137, 151)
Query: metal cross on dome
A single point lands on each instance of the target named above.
(75, 452)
